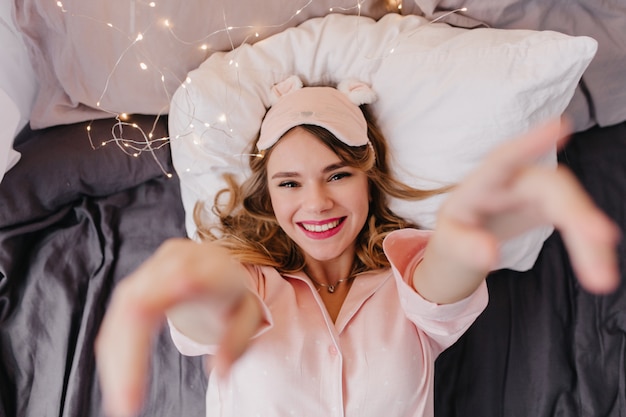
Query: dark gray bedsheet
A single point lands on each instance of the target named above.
(74, 221)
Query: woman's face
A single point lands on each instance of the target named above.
(319, 202)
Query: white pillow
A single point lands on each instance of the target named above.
(446, 97)
(18, 86)
(9, 122)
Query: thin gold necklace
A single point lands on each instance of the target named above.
(331, 287)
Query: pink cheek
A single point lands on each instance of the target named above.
(282, 213)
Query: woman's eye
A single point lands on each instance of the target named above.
(339, 176)
(288, 184)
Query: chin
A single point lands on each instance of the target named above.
(325, 254)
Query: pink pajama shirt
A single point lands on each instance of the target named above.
(376, 360)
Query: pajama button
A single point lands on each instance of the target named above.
(332, 350)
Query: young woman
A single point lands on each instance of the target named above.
(311, 295)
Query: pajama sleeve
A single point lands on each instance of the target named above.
(442, 323)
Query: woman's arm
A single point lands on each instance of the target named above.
(507, 195)
(184, 274)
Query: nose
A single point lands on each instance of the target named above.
(317, 199)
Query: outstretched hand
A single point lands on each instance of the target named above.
(510, 193)
(180, 271)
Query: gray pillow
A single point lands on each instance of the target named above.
(59, 166)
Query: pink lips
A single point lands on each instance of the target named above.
(322, 230)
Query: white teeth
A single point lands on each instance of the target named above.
(320, 227)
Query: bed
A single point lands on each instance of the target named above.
(102, 180)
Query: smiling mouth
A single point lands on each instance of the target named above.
(320, 228)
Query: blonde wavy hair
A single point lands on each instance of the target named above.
(248, 227)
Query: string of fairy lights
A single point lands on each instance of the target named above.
(143, 140)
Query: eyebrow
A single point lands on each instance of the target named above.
(289, 174)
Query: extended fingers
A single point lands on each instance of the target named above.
(593, 255)
(527, 148)
(590, 236)
(122, 353)
(591, 239)
(244, 322)
(487, 190)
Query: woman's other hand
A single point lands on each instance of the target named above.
(180, 271)
(510, 193)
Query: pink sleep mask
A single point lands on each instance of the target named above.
(335, 109)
